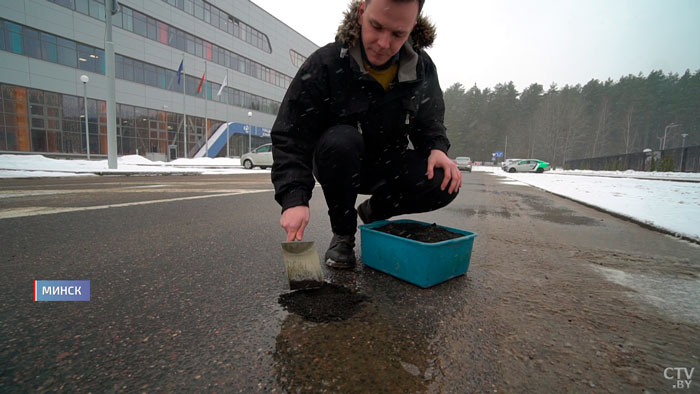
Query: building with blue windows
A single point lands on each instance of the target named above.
(46, 46)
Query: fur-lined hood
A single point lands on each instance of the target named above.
(422, 35)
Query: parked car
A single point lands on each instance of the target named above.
(464, 163)
(258, 157)
(528, 165)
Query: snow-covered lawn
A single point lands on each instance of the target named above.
(670, 205)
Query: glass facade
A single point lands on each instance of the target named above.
(153, 29)
(297, 58)
(41, 121)
(14, 120)
(221, 20)
(198, 8)
(23, 40)
(51, 117)
(59, 50)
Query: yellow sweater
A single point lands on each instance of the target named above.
(384, 77)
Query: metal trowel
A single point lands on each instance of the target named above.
(303, 265)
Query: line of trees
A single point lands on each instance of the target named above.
(574, 122)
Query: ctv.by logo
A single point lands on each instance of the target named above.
(682, 376)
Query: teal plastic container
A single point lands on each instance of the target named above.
(422, 264)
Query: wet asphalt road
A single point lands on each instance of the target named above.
(186, 273)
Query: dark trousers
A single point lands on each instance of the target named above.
(398, 182)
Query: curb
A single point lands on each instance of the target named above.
(104, 173)
(646, 178)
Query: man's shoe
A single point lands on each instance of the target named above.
(365, 212)
(341, 253)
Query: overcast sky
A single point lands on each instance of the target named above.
(488, 42)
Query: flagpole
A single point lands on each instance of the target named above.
(184, 112)
(206, 115)
(228, 135)
(224, 83)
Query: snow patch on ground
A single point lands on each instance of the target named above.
(670, 206)
(38, 166)
(672, 296)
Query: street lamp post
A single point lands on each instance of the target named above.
(85, 79)
(682, 149)
(670, 126)
(250, 130)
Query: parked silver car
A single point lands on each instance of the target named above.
(464, 163)
(529, 165)
(259, 157)
(508, 162)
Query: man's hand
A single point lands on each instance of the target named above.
(453, 176)
(294, 221)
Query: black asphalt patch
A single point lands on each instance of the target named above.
(328, 303)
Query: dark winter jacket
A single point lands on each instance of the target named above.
(333, 88)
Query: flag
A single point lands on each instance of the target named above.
(223, 85)
(179, 70)
(201, 81)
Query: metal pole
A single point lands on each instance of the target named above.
(206, 115)
(683, 149)
(111, 89)
(228, 136)
(184, 112)
(250, 130)
(672, 125)
(85, 80)
(505, 151)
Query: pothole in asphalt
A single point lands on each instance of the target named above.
(328, 303)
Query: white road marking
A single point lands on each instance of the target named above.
(35, 211)
(145, 186)
(29, 193)
(130, 189)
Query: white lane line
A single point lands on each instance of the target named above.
(35, 211)
(145, 186)
(131, 189)
(28, 193)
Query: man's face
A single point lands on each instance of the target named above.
(386, 25)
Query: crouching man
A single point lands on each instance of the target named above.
(347, 120)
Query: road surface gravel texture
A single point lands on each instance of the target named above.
(188, 289)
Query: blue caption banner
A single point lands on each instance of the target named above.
(61, 290)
